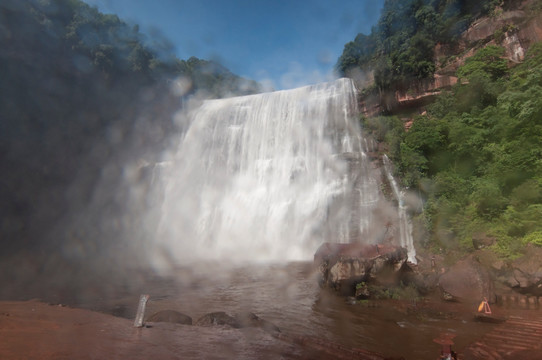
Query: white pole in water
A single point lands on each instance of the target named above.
(141, 310)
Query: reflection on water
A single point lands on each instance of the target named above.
(288, 296)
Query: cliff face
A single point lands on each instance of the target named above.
(514, 30)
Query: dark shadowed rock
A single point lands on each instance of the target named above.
(217, 318)
(467, 281)
(170, 316)
(240, 320)
(424, 282)
(362, 291)
(342, 266)
(524, 275)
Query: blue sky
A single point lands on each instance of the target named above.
(282, 43)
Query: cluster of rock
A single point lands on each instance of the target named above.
(349, 269)
(466, 280)
(315, 347)
(342, 266)
(482, 275)
(237, 321)
(523, 275)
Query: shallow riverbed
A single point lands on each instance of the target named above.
(288, 296)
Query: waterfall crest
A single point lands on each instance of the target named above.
(268, 177)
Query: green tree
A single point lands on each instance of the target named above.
(487, 62)
(476, 157)
(400, 47)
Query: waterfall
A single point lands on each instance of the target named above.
(268, 177)
(405, 226)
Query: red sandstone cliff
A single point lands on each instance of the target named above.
(514, 30)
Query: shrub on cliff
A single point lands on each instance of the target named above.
(475, 157)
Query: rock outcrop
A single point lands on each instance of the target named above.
(467, 281)
(240, 320)
(514, 30)
(170, 316)
(342, 266)
(525, 275)
(217, 318)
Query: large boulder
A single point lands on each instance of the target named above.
(170, 316)
(342, 266)
(217, 318)
(467, 281)
(524, 275)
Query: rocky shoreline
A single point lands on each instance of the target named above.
(405, 293)
(35, 330)
(364, 271)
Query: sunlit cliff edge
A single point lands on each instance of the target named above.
(514, 30)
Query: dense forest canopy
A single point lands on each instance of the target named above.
(400, 47)
(83, 95)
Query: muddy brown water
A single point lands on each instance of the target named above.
(289, 296)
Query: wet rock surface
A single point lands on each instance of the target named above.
(525, 275)
(467, 280)
(521, 276)
(217, 318)
(314, 323)
(170, 316)
(356, 270)
(239, 320)
(342, 266)
(58, 332)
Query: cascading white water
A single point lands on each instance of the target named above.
(405, 226)
(267, 177)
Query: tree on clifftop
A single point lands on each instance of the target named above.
(400, 47)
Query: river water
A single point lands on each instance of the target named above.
(288, 295)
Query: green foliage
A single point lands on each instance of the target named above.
(534, 238)
(487, 62)
(482, 92)
(477, 156)
(413, 165)
(356, 53)
(426, 136)
(360, 285)
(381, 127)
(399, 292)
(400, 47)
(84, 96)
(487, 198)
(118, 50)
